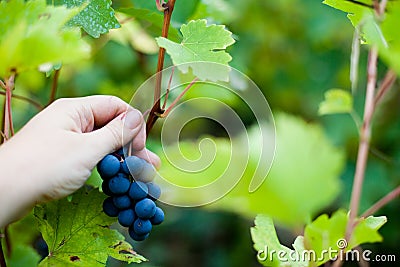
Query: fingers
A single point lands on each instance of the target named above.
(149, 157)
(117, 133)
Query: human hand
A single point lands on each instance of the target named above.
(54, 154)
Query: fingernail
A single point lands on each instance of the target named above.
(133, 119)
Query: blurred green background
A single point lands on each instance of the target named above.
(294, 51)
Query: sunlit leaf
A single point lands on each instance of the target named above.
(327, 234)
(267, 245)
(33, 34)
(78, 234)
(201, 43)
(336, 101)
(96, 18)
(304, 160)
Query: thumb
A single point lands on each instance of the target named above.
(117, 132)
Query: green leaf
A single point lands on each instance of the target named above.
(23, 255)
(356, 12)
(220, 11)
(267, 245)
(382, 34)
(201, 43)
(33, 34)
(285, 194)
(96, 18)
(152, 21)
(78, 232)
(366, 231)
(336, 101)
(327, 234)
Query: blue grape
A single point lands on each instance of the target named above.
(154, 191)
(142, 227)
(119, 185)
(126, 217)
(138, 190)
(133, 165)
(109, 207)
(145, 208)
(137, 237)
(122, 202)
(108, 166)
(147, 174)
(158, 217)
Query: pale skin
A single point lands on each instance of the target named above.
(54, 153)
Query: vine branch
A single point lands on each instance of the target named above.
(365, 135)
(168, 8)
(382, 202)
(54, 86)
(35, 103)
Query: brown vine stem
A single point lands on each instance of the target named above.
(156, 109)
(365, 135)
(382, 202)
(54, 86)
(168, 110)
(387, 83)
(26, 99)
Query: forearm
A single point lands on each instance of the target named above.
(16, 184)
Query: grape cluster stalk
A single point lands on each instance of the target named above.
(132, 193)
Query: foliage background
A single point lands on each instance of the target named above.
(294, 50)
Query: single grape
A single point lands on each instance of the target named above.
(147, 174)
(108, 166)
(142, 227)
(154, 191)
(126, 217)
(137, 237)
(109, 207)
(138, 190)
(145, 208)
(122, 202)
(119, 185)
(133, 165)
(158, 217)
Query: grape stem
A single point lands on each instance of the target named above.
(382, 202)
(168, 110)
(168, 8)
(371, 101)
(33, 102)
(54, 86)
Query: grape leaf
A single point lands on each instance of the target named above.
(96, 18)
(201, 43)
(153, 21)
(383, 34)
(327, 234)
(23, 255)
(266, 241)
(33, 34)
(78, 232)
(218, 10)
(336, 101)
(356, 12)
(293, 177)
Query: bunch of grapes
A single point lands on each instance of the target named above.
(132, 194)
